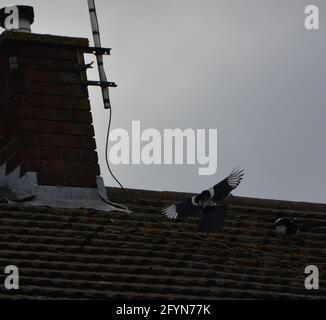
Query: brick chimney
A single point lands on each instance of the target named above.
(47, 145)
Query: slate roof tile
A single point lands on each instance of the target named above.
(85, 254)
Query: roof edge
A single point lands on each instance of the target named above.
(232, 200)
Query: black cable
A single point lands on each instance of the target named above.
(107, 158)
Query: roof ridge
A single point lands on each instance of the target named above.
(232, 200)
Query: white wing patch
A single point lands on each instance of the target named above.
(235, 177)
(194, 202)
(211, 192)
(170, 212)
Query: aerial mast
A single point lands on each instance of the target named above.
(103, 83)
(99, 52)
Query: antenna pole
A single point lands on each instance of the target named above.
(99, 55)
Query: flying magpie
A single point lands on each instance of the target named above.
(207, 204)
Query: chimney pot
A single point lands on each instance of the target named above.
(25, 18)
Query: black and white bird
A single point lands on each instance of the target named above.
(294, 226)
(287, 226)
(207, 204)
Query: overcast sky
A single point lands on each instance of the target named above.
(245, 67)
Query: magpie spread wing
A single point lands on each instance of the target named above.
(183, 209)
(223, 189)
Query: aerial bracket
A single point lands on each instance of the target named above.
(103, 84)
(98, 50)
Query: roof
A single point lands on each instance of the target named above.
(87, 254)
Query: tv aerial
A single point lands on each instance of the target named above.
(99, 52)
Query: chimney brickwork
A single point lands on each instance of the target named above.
(45, 120)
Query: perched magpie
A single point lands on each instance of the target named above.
(294, 226)
(287, 226)
(207, 204)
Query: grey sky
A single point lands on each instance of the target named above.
(245, 67)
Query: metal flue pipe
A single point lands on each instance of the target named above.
(99, 56)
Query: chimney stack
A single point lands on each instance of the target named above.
(47, 146)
